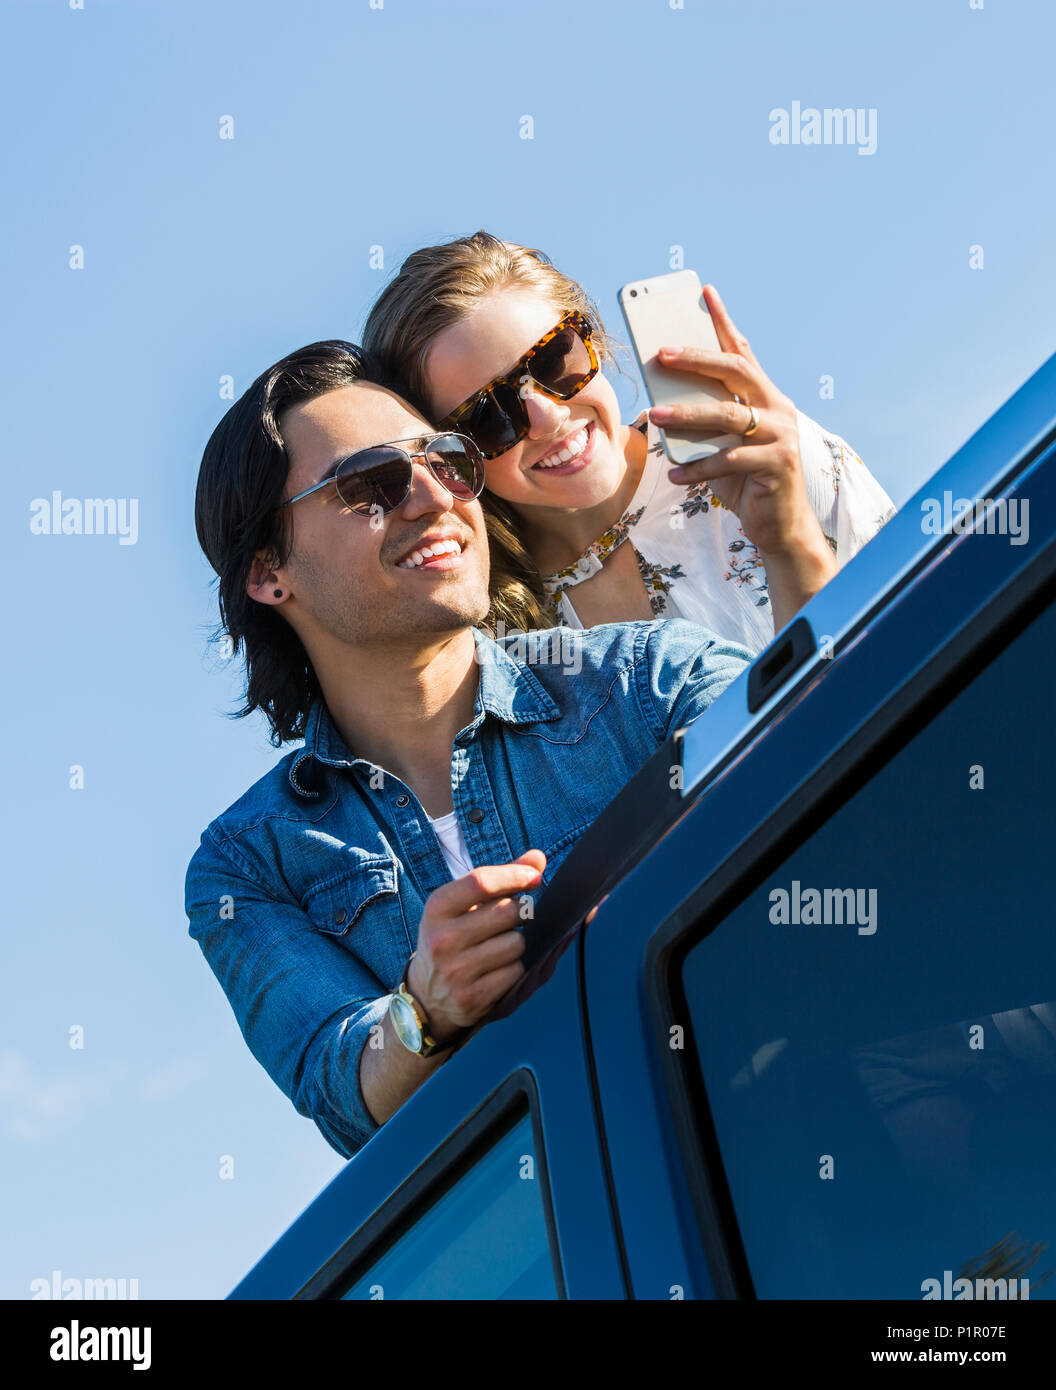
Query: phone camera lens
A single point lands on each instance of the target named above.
(634, 294)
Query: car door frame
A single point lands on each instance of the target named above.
(816, 744)
(539, 1052)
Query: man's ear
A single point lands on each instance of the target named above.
(265, 580)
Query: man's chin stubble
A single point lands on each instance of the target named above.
(437, 621)
(424, 620)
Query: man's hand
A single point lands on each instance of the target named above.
(469, 949)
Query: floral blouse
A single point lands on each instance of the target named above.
(696, 561)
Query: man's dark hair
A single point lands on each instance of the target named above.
(237, 513)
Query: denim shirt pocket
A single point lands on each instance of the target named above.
(361, 909)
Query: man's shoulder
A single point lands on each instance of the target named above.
(551, 654)
(598, 644)
(270, 796)
(651, 672)
(608, 639)
(599, 656)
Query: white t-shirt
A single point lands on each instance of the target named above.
(449, 833)
(694, 558)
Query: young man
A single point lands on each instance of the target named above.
(360, 905)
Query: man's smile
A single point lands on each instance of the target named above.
(438, 550)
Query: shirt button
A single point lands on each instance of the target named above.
(475, 815)
(403, 801)
(339, 917)
(583, 566)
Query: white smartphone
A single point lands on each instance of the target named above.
(670, 311)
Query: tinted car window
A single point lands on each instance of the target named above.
(880, 1064)
(484, 1237)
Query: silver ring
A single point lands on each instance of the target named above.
(753, 425)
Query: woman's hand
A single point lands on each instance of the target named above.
(760, 480)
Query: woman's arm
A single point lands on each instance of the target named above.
(846, 498)
(762, 480)
(795, 575)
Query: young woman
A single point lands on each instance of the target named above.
(493, 340)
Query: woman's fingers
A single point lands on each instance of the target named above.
(739, 461)
(727, 417)
(737, 374)
(731, 339)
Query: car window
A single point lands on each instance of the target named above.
(874, 1023)
(485, 1236)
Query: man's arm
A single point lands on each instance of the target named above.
(467, 958)
(316, 1018)
(686, 670)
(389, 1074)
(305, 1005)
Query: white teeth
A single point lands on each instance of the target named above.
(428, 552)
(571, 450)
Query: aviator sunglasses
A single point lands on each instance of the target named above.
(377, 480)
(559, 365)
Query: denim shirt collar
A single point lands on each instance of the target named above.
(507, 689)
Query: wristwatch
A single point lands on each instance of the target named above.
(410, 1022)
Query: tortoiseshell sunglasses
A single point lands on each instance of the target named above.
(559, 365)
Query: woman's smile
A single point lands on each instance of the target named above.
(570, 454)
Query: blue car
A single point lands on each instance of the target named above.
(806, 1047)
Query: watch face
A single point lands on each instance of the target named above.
(405, 1023)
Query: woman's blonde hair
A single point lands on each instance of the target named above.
(435, 288)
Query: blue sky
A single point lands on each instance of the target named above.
(357, 127)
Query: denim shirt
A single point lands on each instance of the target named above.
(306, 894)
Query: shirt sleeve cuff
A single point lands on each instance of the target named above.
(334, 1098)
